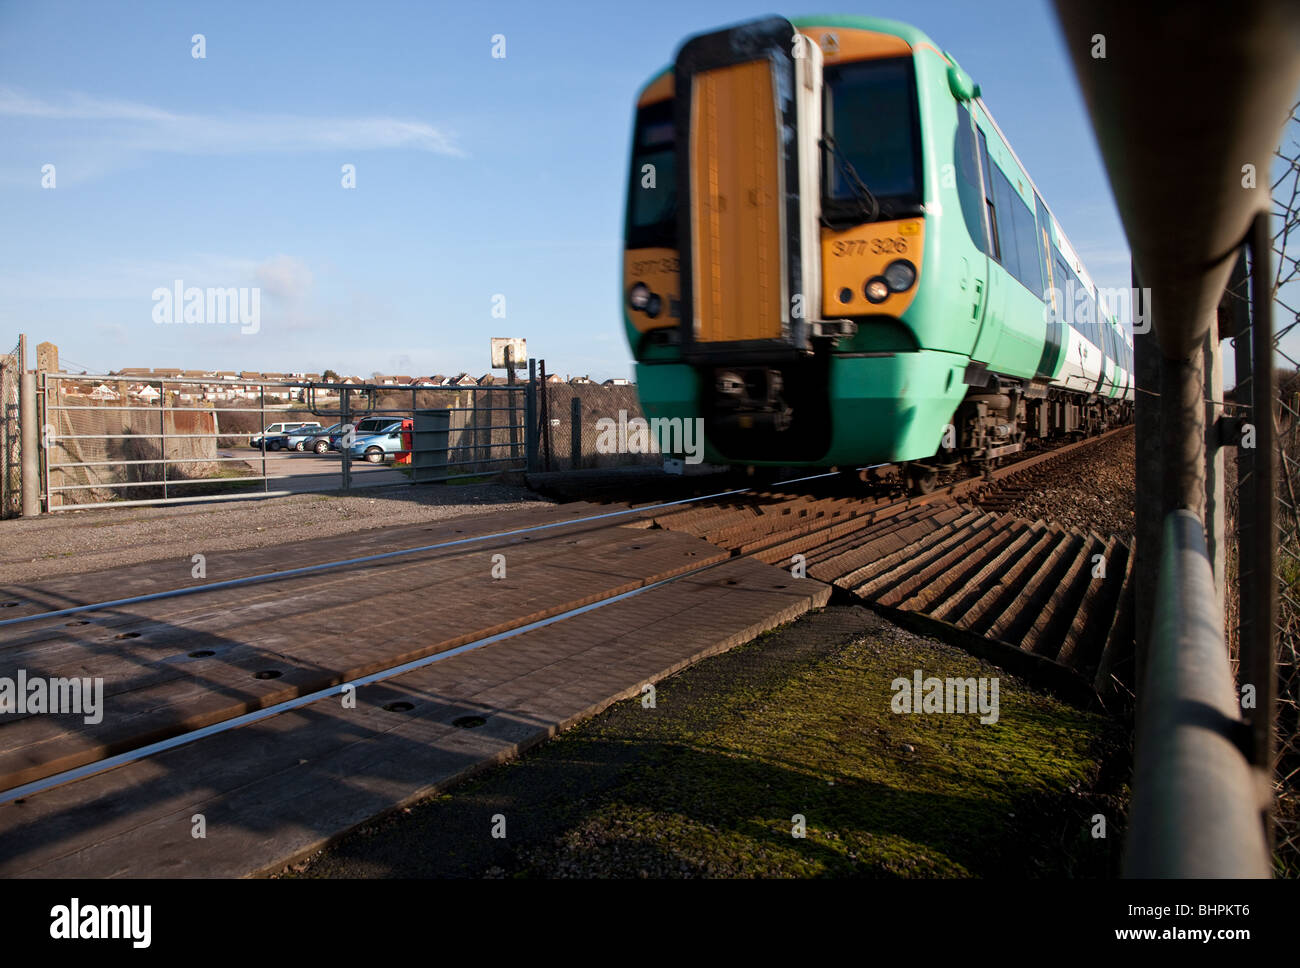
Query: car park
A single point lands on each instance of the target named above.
(305, 437)
(273, 435)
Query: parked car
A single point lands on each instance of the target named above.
(365, 427)
(273, 435)
(390, 441)
(319, 440)
(303, 438)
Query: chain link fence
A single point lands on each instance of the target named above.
(1286, 307)
(1285, 192)
(605, 433)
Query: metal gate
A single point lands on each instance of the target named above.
(108, 440)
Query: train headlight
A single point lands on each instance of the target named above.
(638, 296)
(653, 305)
(900, 275)
(876, 290)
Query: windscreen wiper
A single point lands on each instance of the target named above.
(870, 207)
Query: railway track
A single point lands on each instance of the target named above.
(1032, 592)
(204, 680)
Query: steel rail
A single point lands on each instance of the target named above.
(183, 739)
(367, 559)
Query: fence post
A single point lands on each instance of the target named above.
(261, 434)
(162, 429)
(27, 421)
(1257, 654)
(1147, 359)
(530, 417)
(545, 419)
(575, 432)
(345, 408)
(514, 408)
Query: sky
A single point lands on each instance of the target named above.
(476, 177)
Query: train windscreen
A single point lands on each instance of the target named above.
(871, 120)
(652, 188)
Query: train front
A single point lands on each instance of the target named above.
(776, 232)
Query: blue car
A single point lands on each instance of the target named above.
(387, 442)
(362, 428)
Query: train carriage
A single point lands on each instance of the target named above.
(834, 258)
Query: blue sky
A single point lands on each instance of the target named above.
(475, 176)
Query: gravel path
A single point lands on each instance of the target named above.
(79, 541)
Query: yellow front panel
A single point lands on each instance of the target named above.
(851, 257)
(736, 194)
(658, 270)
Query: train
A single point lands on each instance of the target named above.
(834, 258)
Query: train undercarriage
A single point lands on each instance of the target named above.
(782, 411)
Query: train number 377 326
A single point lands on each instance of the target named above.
(869, 246)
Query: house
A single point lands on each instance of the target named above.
(486, 380)
(555, 378)
(617, 381)
(580, 380)
(464, 380)
(103, 392)
(145, 392)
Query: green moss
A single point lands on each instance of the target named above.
(708, 783)
(825, 744)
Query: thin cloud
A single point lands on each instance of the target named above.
(144, 127)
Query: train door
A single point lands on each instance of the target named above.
(975, 275)
(996, 290)
(748, 113)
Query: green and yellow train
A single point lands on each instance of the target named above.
(834, 258)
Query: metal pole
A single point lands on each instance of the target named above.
(514, 409)
(1194, 811)
(1258, 664)
(530, 417)
(345, 408)
(162, 441)
(27, 422)
(1146, 410)
(266, 485)
(546, 419)
(1182, 427)
(1214, 482)
(42, 453)
(575, 432)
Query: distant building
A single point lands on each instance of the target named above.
(145, 392)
